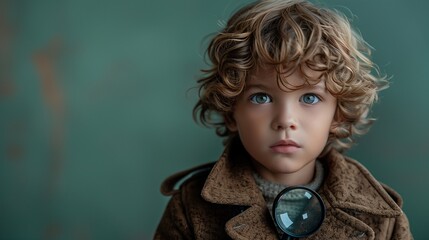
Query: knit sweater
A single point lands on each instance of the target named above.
(270, 189)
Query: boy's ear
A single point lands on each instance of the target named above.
(230, 122)
(335, 126)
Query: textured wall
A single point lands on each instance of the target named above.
(95, 109)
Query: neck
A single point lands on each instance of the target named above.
(302, 176)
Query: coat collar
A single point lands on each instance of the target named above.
(231, 181)
(348, 185)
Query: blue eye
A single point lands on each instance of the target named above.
(260, 98)
(309, 98)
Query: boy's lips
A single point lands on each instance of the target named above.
(285, 146)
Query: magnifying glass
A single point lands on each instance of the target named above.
(298, 212)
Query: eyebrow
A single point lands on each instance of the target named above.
(319, 86)
(256, 85)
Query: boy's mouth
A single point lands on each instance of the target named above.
(286, 142)
(285, 146)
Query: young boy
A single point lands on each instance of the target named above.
(292, 84)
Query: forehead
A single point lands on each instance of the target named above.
(288, 79)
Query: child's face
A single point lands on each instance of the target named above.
(284, 131)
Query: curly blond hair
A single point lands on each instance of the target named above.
(290, 35)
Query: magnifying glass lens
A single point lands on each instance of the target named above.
(298, 211)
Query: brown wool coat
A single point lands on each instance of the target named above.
(226, 203)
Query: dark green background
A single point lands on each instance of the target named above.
(95, 110)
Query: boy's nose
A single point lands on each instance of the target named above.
(284, 118)
(278, 126)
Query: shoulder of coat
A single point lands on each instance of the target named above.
(174, 183)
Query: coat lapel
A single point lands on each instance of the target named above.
(253, 223)
(231, 183)
(351, 186)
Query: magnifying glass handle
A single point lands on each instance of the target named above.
(286, 237)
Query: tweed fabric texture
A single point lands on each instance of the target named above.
(223, 201)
